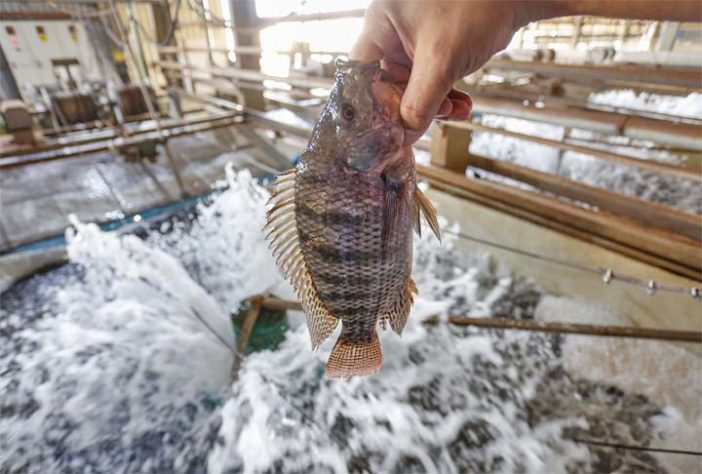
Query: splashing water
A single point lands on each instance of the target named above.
(119, 362)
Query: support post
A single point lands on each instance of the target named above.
(162, 22)
(668, 35)
(246, 32)
(208, 41)
(577, 31)
(245, 334)
(134, 27)
(449, 147)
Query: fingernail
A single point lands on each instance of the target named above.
(445, 108)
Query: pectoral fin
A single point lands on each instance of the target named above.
(417, 218)
(391, 210)
(424, 205)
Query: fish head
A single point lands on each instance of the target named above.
(364, 114)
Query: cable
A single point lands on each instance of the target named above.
(147, 96)
(120, 43)
(607, 274)
(207, 16)
(173, 23)
(635, 448)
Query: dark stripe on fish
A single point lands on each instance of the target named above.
(303, 210)
(338, 296)
(335, 217)
(333, 277)
(308, 178)
(334, 253)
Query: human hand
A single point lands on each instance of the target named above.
(428, 45)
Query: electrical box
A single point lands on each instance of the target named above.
(39, 52)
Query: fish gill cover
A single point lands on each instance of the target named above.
(116, 363)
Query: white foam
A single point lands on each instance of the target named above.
(133, 339)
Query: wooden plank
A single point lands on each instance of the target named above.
(566, 229)
(672, 76)
(639, 210)
(670, 251)
(650, 165)
(678, 134)
(494, 228)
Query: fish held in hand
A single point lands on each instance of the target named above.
(340, 223)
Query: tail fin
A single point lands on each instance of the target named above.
(348, 359)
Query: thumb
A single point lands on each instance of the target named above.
(430, 81)
(365, 49)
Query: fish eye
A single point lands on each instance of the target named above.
(348, 112)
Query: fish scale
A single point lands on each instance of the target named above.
(351, 203)
(360, 237)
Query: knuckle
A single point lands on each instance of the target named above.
(416, 116)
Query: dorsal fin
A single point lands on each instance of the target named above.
(423, 203)
(281, 231)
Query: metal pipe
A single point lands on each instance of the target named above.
(240, 50)
(264, 22)
(573, 328)
(106, 145)
(107, 133)
(530, 325)
(249, 75)
(677, 134)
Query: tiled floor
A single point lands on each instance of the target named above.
(35, 200)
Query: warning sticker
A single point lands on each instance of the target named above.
(42, 33)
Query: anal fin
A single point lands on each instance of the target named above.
(391, 211)
(349, 359)
(320, 323)
(427, 208)
(399, 314)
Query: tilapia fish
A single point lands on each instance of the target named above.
(340, 223)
